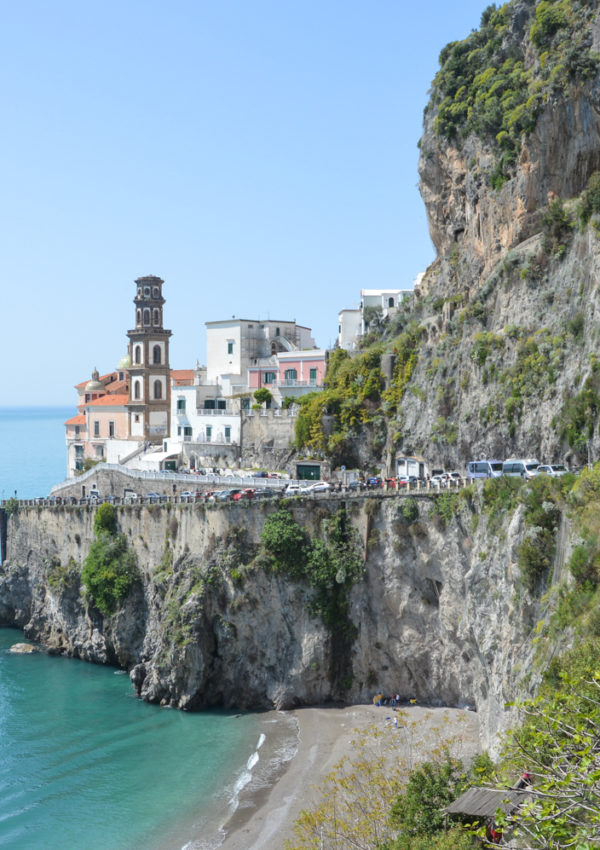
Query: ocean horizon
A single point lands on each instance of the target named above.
(33, 452)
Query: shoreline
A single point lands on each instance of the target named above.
(266, 814)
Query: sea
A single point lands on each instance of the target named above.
(85, 764)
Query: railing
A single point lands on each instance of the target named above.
(211, 482)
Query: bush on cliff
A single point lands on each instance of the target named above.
(330, 563)
(110, 569)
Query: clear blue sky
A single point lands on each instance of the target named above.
(259, 155)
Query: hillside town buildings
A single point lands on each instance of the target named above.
(147, 415)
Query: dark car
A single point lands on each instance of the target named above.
(265, 493)
(374, 481)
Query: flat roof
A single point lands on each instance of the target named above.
(259, 322)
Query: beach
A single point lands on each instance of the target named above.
(325, 736)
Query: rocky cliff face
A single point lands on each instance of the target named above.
(439, 614)
(507, 315)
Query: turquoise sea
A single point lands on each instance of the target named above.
(33, 453)
(84, 764)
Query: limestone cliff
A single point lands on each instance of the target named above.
(440, 614)
(509, 310)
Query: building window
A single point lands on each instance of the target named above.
(156, 317)
(79, 451)
(180, 405)
(246, 403)
(208, 433)
(157, 389)
(209, 404)
(221, 404)
(179, 430)
(390, 302)
(187, 432)
(146, 317)
(277, 332)
(313, 376)
(291, 375)
(77, 430)
(156, 354)
(227, 434)
(269, 378)
(111, 429)
(138, 317)
(96, 428)
(99, 451)
(137, 357)
(229, 348)
(137, 393)
(155, 292)
(146, 292)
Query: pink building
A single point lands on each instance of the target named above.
(289, 373)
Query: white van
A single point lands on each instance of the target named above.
(520, 467)
(484, 469)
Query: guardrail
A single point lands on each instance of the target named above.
(425, 488)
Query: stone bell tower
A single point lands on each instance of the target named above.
(149, 374)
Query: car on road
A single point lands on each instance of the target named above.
(153, 497)
(248, 493)
(374, 481)
(265, 493)
(553, 469)
(320, 487)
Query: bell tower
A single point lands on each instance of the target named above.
(149, 374)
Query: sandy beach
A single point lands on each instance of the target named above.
(325, 737)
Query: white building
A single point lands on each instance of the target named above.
(207, 403)
(375, 305)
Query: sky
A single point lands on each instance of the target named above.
(258, 155)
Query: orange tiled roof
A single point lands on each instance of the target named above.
(110, 400)
(76, 420)
(182, 377)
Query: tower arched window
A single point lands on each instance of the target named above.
(156, 354)
(137, 392)
(156, 316)
(137, 356)
(157, 389)
(138, 317)
(155, 291)
(146, 317)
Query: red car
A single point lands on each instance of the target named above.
(243, 494)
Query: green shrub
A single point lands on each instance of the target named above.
(105, 519)
(109, 572)
(285, 542)
(11, 506)
(589, 203)
(409, 509)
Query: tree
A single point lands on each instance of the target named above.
(263, 396)
(559, 745)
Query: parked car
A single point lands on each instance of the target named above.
(265, 493)
(407, 480)
(188, 496)
(453, 478)
(374, 481)
(320, 487)
(292, 490)
(153, 497)
(248, 493)
(520, 467)
(553, 469)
